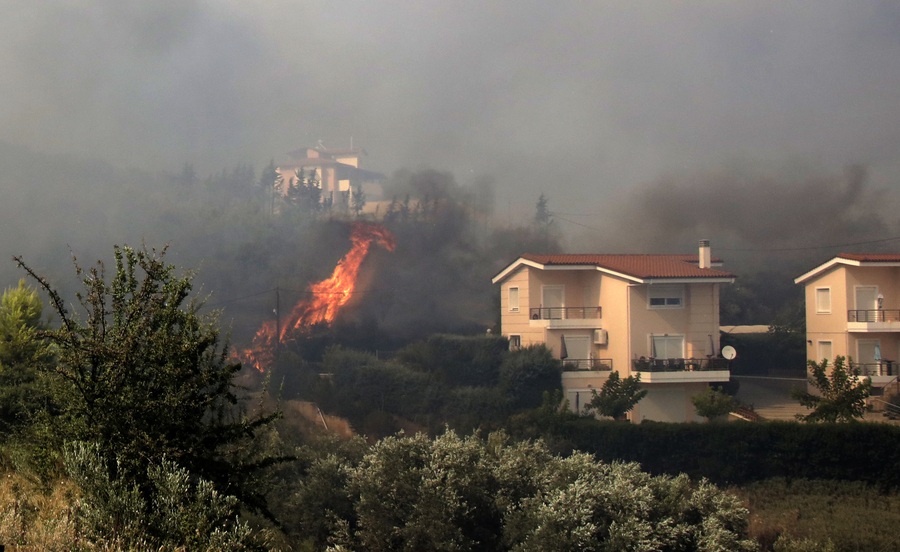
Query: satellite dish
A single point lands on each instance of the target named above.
(729, 352)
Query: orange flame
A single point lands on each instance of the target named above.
(325, 298)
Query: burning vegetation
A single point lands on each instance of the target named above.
(324, 300)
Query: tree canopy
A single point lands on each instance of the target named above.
(144, 377)
(842, 395)
(713, 403)
(618, 396)
(22, 357)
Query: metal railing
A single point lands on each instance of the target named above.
(593, 364)
(883, 368)
(873, 315)
(565, 313)
(679, 364)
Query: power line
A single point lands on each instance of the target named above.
(306, 292)
(759, 250)
(814, 247)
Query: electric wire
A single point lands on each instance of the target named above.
(757, 250)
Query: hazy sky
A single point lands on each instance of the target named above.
(576, 99)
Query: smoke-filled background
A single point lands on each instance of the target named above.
(771, 128)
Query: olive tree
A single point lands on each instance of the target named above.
(454, 493)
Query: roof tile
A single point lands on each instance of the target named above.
(639, 266)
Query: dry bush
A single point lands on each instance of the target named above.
(822, 514)
(35, 518)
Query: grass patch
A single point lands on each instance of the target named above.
(851, 515)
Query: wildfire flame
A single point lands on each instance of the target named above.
(325, 298)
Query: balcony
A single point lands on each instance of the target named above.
(885, 368)
(675, 370)
(566, 317)
(589, 364)
(873, 320)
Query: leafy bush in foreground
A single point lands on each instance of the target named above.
(453, 493)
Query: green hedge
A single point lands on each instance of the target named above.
(734, 453)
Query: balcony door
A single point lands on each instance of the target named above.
(867, 300)
(553, 301)
(866, 361)
(578, 348)
(668, 346)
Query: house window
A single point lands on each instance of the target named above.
(824, 352)
(823, 300)
(515, 342)
(667, 346)
(514, 299)
(666, 297)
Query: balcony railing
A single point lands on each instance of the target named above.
(679, 364)
(883, 368)
(873, 315)
(566, 313)
(592, 364)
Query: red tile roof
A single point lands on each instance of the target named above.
(639, 266)
(871, 257)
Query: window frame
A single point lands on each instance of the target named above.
(515, 342)
(819, 355)
(666, 292)
(821, 310)
(509, 299)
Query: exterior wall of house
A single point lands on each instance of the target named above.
(574, 281)
(696, 321)
(831, 326)
(668, 402)
(518, 322)
(887, 279)
(629, 322)
(352, 160)
(616, 321)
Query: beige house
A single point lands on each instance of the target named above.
(338, 171)
(852, 304)
(657, 315)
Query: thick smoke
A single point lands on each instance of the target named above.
(574, 98)
(754, 210)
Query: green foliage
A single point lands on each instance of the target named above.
(778, 350)
(143, 377)
(713, 403)
(789, 544)
(542, 217)
(304, 192)
(458, 359)
(527, 373)
(806, 515)
(618, 396)
(453, 493)
(359, 200)
(22, 356)
(842, 395)
(181, 513)
(733, 453)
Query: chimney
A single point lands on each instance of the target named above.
(705, 255)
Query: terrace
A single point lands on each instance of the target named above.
(873, 320)
(680, 365)
(566, 317)
(589, 364)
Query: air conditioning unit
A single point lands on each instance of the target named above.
(601, 337)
